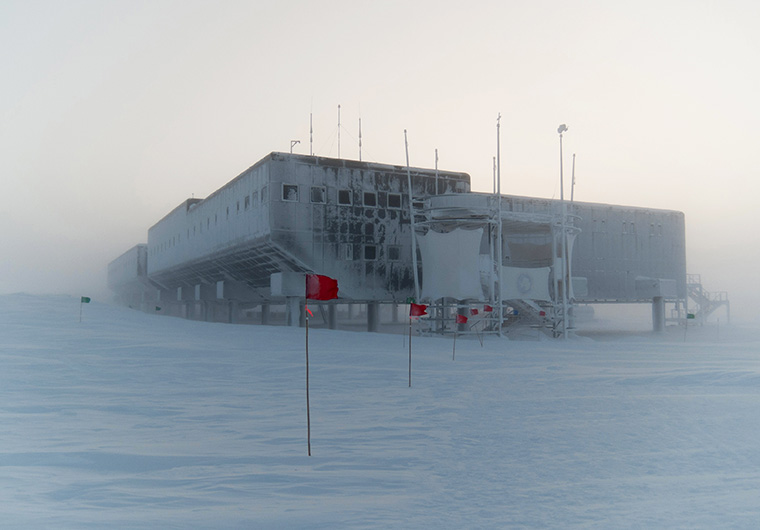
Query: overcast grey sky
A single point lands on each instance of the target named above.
(112, 113)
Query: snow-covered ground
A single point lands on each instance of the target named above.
(140, 421)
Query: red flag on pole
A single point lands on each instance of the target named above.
(417, 310)
(487, 308)
(473, 311)
(461, 319)
(320, 287)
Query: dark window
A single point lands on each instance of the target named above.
(264, 194)
(370, 252)
(290, 192)
(254, 198)
(348, 252)
(370, 198)
(394, 252)
(247, 202)
(318, 194)
(344, 197)
(394, 200)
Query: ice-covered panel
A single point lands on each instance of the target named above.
(451, 265)
(518, 283)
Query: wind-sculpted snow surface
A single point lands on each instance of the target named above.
(139, 421)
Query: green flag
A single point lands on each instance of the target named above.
(690, 316)
(85, 300)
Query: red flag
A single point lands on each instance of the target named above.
(417, 310)
(473, 311)
(487, 308)
(320, 287)
(461, 319)
(542, 313)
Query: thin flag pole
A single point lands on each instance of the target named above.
(410, 352)
(454, 351)
(415, 272)
(81, 303)
(308, 411)
(318, 287)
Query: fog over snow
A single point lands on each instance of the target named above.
(115, 112)
(128, 420)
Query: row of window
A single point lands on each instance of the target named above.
(370, 252)
(290, 193)
(318, 195)
(629, 228)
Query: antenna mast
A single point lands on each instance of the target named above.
(499, 258)
(360, 139)
(437, 191)
(338, 131)
(311, 135)
(572, 186)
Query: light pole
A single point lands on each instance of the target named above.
(565, 294)
(293, 143)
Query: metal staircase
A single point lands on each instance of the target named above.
(706, 302)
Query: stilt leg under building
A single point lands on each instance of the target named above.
(373, 316)
(658, 314)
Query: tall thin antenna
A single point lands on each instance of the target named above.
(565, 280)
(338, 131)
(360, 139)
(572, 186)
(494, 175)
(499, 259)
(311, 135)
(437, 191)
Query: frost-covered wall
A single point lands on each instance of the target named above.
(618, 245)
(128, 268)
(234, 215)
(342, 218)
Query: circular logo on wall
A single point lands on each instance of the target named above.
(524, 283)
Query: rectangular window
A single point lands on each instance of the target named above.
(344, 197)
(370, 198)
(254, 198)
(264, 194)
(370, 252)
(290, 192)
(394, 252)
(348, 252)
(394, 200)
(318, 194)
(247, 202)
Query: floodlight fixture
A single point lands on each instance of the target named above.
(562, 128)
